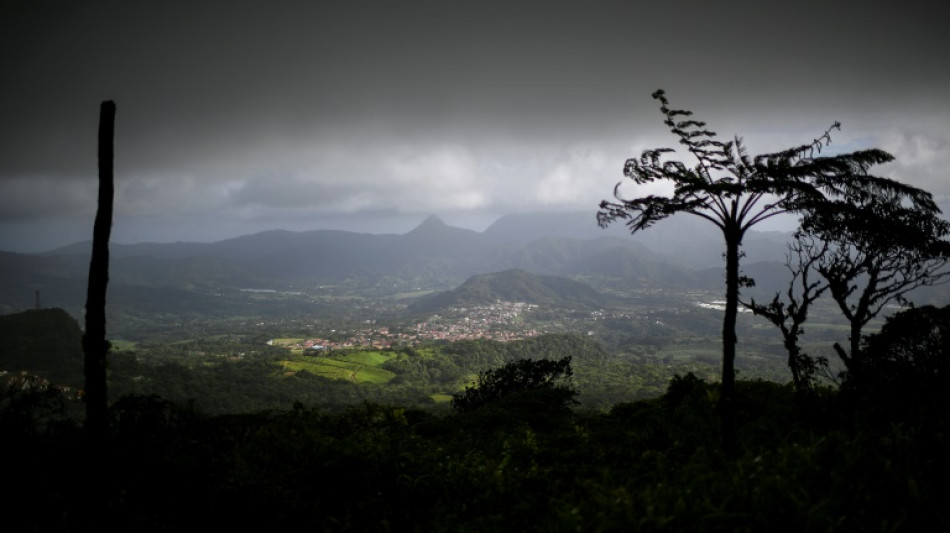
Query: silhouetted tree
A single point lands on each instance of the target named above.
(911, 351)
(95, 345)
(516, 378)
(881, 244)
(789, 312)
(734, 191)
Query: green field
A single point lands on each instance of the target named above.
(366, 357)
(359, 366)
(121, 345)
(287, 341)
(412, 295)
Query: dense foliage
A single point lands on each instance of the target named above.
(806, 464)
(230, 448)
(43, 342)
(907, 362)
(543, 380)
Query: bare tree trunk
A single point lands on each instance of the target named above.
(95, 345)
(855, 340)
(727, 394)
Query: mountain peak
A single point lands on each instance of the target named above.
(432, 225)
(445, 240)
(431, 221)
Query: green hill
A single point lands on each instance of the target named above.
(43, 342)
(515, 286)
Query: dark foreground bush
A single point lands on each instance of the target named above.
(648, 466)
(544, 380)
(904, 371)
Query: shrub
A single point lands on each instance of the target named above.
(524, 378)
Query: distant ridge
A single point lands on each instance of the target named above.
(687, 242)
(433, 254)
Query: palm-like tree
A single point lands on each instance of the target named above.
(735, 191)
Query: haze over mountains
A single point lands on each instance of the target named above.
(675, 253)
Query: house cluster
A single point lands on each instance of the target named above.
(499, 321)
(24, 381)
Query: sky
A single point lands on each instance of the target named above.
(236, 117)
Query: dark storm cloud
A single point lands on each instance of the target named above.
(355, 107)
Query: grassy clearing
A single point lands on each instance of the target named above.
(119, 345)
(819, 326)
(684, 354)
(413, 294)
(366, 357)
(181, 342)
(287, 341)
(323, 369)
(369, 374)
(359, 366)
(427, 351)
(441, 397)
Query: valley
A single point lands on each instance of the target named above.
(357, 349)
(261, 321)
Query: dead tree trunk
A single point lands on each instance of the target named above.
(94, 343)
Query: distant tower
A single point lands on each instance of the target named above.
(37, 300)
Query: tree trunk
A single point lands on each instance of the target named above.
(795, 363)
(727, 395)
(95, 345)
(854, 358)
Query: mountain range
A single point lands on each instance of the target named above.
(679, 252)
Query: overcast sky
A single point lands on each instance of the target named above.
(236, 117)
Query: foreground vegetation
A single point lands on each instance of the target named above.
(831, 461)
(201, 436)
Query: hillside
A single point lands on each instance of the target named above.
(515, 286)
(45, 343)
